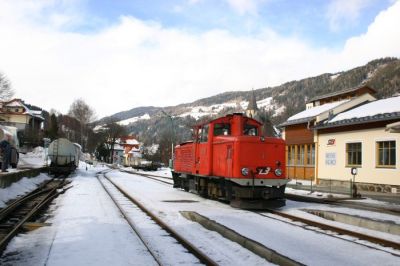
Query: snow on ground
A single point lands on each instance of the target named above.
(21, 187)
(36, 158)
(200, 111)
(133, 119)
(314, 194)
(87, 229)
(306, 246)
(334, 76)
(265, 103)
(163, 172)
(279, 110)
(164, 200)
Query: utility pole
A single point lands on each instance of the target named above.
(172, 137)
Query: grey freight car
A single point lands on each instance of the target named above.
(64, 156)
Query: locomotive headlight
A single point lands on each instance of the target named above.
(245, 171)
(278, 171)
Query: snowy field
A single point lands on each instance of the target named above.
(36, 158)
(88, 229)
(21, 187)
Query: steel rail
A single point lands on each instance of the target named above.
(203, 258)
(15, 204)
(344, 203)
(131, 224)
(373, 239)
(154, 177)
(52, 193)
(342, 231)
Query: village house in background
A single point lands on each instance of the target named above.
(131, 149)
(28, 120)
(126, 149)
(342, 130)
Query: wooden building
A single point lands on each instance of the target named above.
(299, 133)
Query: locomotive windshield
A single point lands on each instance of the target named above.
(250, 130)
(222, 129)
(203, 134)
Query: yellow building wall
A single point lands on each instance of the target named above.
(15, 118)
(368, 172)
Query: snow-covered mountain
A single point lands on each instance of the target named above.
(278, 102)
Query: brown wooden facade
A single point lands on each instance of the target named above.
(300, 152)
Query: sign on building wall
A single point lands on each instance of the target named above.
(331, 142)
(330, 158)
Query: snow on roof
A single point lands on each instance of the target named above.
(132, 142)
(118, 147)
(15, 104)
(316, 110)
(389, 105)
(20, 103)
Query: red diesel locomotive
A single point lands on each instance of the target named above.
(229, 160)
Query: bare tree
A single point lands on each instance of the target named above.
(113, 132)
(80, 110)
(6, 92)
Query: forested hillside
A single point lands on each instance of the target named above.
(278, 102)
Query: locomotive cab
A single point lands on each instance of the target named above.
(229, 159)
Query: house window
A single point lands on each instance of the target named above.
(311, 154)
(300, 155)
(386, 151)
(353, 154)
(291, 154)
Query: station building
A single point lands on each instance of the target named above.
(301, 136)
(367, 138)
(342, 130)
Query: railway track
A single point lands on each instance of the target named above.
(334, 202)
(332, 230)
(395, 210)
(322, 226)
(134, 212)
(162, 179)
(25, 209)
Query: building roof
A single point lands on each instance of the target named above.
(310, 114)
(393, 127)
(131, 142)
(337, 93)
(29, 109)
(380, 110)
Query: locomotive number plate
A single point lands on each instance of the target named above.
(263, 170)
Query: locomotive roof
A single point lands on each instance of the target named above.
(228, 116)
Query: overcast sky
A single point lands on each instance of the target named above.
(120, 54)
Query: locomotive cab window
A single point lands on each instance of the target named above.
(222, 129)
(250, 130)
(203, 134)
